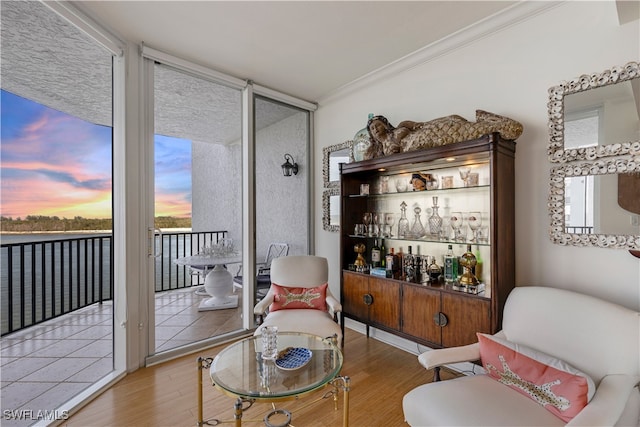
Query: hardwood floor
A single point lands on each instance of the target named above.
(166, 394)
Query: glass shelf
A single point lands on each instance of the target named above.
(421, 240)
(437, 192)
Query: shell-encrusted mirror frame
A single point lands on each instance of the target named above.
(326, 161)
(556, 151)
(556, 202)
(326, 210)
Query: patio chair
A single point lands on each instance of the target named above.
(263, 269)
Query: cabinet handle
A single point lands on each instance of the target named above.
(440, 319)
(368, 299)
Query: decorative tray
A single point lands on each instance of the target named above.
(293, 358)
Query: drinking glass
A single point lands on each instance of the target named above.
(270, 342)
(475, 221)
(389, 220)
(457, 223)
(381, 228)
(375, 225)
(483, 234)
(366, 218)
(464, 175)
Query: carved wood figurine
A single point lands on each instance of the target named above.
(410, 136)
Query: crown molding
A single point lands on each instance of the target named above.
(497, 22)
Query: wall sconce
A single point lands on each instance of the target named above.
(288, 167)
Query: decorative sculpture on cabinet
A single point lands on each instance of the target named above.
(410, 136)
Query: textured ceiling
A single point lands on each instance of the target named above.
(307, 49)
(47, 60)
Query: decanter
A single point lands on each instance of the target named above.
(403, 223)
(417, 229)
(435, 221)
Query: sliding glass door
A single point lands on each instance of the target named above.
(198, 207)
(57, 286)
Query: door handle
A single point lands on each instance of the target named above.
(151, 245)
(440, 319)
(367, 299)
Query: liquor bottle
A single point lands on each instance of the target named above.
(399, 264)
(417, 265)
(424, 270)
(375, 254)
(450, 266)
(383, 254)
(479, 264)
(408, 267)
(434, 271)
(389, 263)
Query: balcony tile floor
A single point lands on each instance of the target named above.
(45, 365)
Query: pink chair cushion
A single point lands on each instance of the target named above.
(285, 297)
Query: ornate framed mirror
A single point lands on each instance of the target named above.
(596, 115)
(596, 203)
(332, 156)
(331, 210)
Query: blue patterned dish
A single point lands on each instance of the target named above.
(293, 358)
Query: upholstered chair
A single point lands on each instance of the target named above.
(299, 299)
(561, 358)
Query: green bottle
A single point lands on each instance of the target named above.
(375, 254)
(450, 266)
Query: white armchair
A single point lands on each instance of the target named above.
(293, 273)
(599, 338)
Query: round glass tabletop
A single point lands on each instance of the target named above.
(305, 363)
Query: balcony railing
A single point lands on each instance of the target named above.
(579, 229)
(46, 279)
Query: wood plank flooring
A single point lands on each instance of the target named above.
(166, 394)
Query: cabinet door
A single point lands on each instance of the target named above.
(419, 305)
(354, 288)
(466, 316)
(385, 309)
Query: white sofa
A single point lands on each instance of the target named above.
(599, 338)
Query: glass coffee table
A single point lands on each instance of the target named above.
(306, 363)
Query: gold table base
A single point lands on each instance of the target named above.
(338, 383)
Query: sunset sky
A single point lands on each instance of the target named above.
(54, 164)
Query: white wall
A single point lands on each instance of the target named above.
(508, 73)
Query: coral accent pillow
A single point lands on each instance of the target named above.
(286, 297)
(560, 388)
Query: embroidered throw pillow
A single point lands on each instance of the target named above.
(286, 297)
(561, 389)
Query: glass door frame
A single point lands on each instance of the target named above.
(249, 91)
